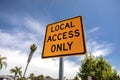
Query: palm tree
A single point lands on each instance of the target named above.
(32, 50)
(32, 76)
(17, 71)
(2, 62)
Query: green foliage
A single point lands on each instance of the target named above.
(33, 47)
(103, 69)
(98, 68)
(40, 77)
(76, 78)
(2, 62)
(32, 76)
(21, 78)
(17, 72)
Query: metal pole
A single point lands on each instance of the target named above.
(61, 64)
(28, 61)
(25, 70)
(89, 77)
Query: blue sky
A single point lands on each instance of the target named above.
(23, 22)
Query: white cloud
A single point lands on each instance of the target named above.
(24, 21)
(34, 25)
(32, 32)
(18, 40)
(93, 30)
(99, 48)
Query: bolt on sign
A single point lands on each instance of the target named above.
(64, 38)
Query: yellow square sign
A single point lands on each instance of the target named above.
(64, 38)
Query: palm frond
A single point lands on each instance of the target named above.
(1, 65)
(2, 62)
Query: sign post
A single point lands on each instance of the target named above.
(89, 77)
(61, 70)
(64, 38)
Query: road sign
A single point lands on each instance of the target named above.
(64, 38)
